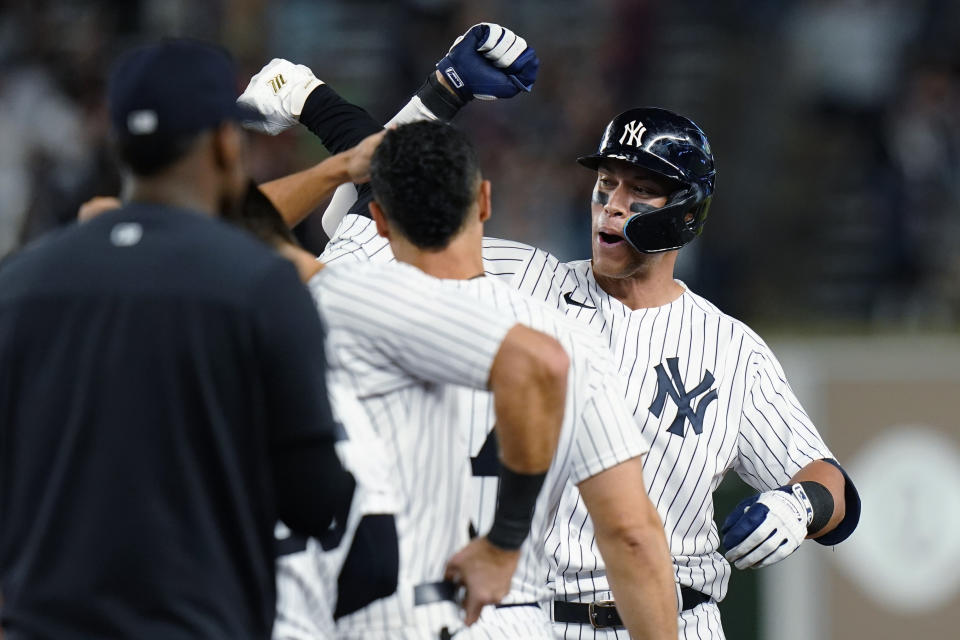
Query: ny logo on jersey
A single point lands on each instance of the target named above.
(632, 133)
(672, 384)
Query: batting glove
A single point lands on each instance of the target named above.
(766, 528)
(278, 91)
(489, 62)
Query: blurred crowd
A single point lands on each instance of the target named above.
(835, 124)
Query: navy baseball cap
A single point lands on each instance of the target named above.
(177, 86)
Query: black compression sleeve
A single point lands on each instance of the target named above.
(515, 504)
(339, 124)
(364, 196)
(822, 502)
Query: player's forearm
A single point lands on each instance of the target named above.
(339, 124)
(529, 383)
(830, 477)
(296, 195)
(641, 577)
(631, 540)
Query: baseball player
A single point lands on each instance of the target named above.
(705, 389)
(431, 205)
(598, 433)
(396, 350)
(314, 585)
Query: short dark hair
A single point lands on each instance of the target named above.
(425, 176)
(257, 215)
(148, 155)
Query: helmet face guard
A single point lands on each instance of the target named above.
(671, 146)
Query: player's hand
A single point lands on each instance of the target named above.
(484, 570)
(766, 528)
(278, 91)
(489, 62)
(358, 158)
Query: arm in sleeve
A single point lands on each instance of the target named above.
(846, 499)
(431, 102)
(312, 487)
(399, 319)
(776, 437)
(630, 537)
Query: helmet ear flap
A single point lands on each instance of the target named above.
(665, 229)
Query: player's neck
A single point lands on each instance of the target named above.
(646, 288)
(460, 260)
(177, 186)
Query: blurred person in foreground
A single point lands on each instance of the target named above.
(156, 414)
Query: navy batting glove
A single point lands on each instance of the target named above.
(736, 527)
(489, 62)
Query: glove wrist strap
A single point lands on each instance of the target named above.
(438, 98)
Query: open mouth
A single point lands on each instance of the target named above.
(609, 238)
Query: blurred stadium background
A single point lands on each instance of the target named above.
(834, 231)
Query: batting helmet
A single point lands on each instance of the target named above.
(671, 146)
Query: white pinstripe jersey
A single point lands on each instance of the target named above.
(705, 390)
(400, 342)
(598, 430)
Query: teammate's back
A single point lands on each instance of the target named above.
(136, 402)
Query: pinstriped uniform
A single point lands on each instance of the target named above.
(307, 579)
(746, 417)
(400, 342)
(598, 433)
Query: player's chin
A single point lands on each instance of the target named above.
(612, 259)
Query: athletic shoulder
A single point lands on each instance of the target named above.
(144, 250)
(728, 324)
(755, 352)
(356, 240)
(510, 260)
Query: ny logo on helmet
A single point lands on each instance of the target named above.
(672, 384)
(632, 133)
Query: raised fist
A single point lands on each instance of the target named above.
(489, 62)
(278, 91)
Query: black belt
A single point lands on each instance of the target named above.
(603, 614)
(430, 592)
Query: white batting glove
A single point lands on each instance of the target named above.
(278, 91)
(766, 528)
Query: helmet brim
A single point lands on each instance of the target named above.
(643, 160)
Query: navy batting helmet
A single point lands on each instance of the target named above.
(671, 146)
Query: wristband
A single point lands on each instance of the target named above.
(438, 98)
(822, 502)
(516, 500)
(817, 501)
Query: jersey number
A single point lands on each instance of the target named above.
(487, 461)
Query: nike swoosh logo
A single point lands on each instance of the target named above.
(568, 298)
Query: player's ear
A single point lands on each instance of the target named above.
(483, 200)
(379, 219)
(227, 146)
